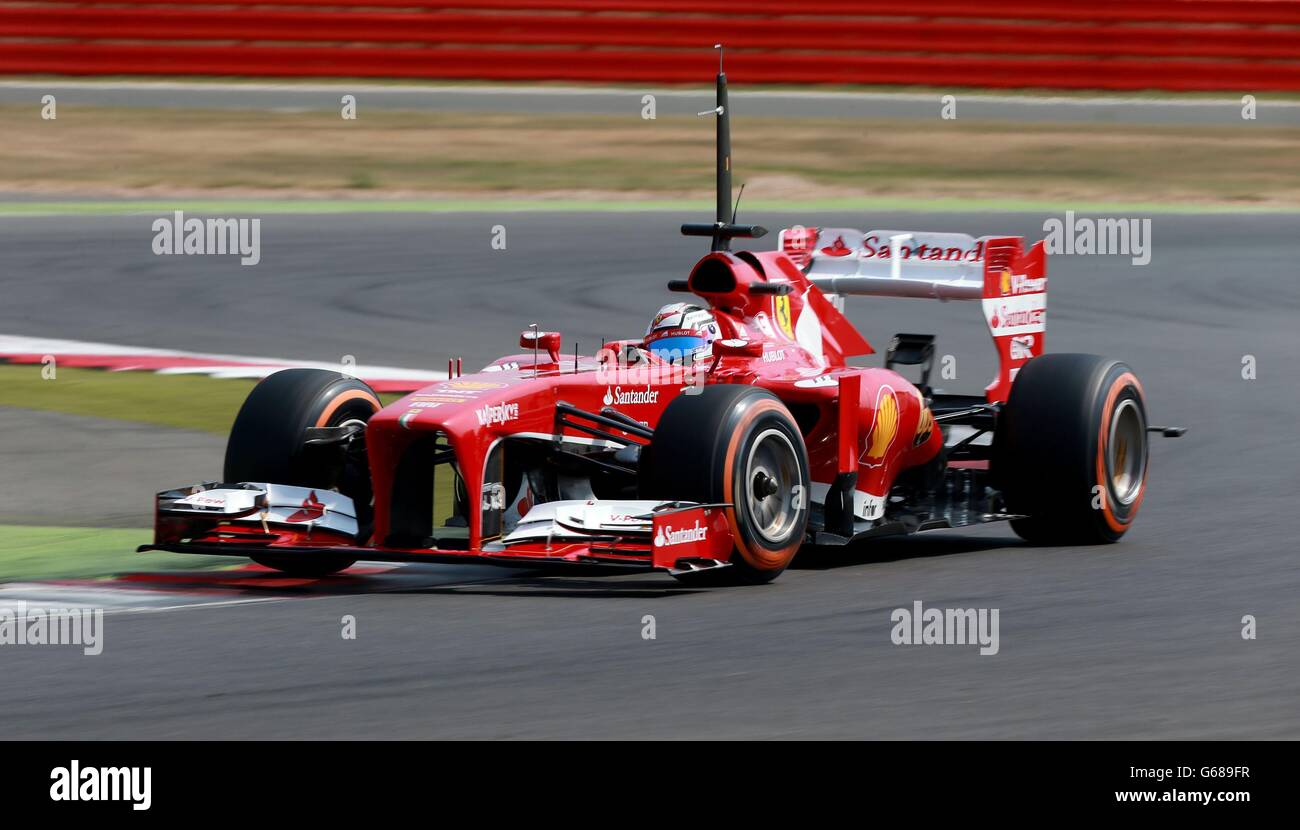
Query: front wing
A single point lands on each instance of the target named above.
(251, 519)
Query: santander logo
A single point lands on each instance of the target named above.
(616, 395)
(667, 536)
(1018, 314)
(1011, 318)
(837, 248)
(873, 247)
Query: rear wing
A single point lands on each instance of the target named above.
(1009, 281)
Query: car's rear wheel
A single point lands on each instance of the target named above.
(739, 445)
(268, 443)
(1071, 449)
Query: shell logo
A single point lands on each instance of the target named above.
(924, 426)
(1006, 281)
(884, 427)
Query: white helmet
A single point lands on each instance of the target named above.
(681, 332)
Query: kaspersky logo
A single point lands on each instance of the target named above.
(494, 414)
(667, 536)
(616, 395)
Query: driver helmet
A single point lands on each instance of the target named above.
(682, 332)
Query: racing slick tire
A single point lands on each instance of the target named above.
(1071, 450)
(738, 445)
(268, 444)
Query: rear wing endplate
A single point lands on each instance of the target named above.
(1010, 282)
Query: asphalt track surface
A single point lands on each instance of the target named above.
(1136, 640)
(1222, 110)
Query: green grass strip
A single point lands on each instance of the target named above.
(42, 553)
(185, 401)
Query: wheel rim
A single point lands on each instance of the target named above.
(337, 475)
(771, 475)
(1126, 451)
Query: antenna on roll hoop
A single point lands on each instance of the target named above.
(723, 229)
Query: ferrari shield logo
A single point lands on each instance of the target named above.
(782, 311)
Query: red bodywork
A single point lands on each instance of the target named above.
(868, 421)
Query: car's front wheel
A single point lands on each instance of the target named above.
(738, 445)
(268, 443)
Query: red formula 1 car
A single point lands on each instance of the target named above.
(714, 447)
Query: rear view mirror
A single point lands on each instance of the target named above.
(547, 341)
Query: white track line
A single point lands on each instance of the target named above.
(221, 363)
(127, 600)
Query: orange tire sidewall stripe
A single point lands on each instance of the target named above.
(342, 398)
(763, 560)
(1103, 439)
